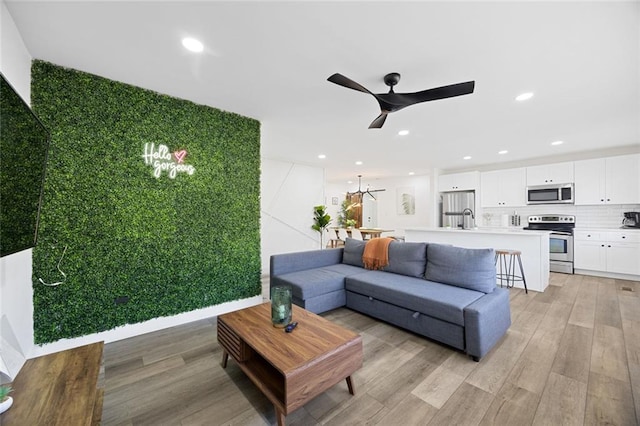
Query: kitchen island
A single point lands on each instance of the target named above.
(534, 246)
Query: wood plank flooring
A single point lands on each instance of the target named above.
(571, 357)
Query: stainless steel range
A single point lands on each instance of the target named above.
(560, 239)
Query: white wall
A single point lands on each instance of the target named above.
(288, 194)
(16, 293)
(388, 214)
(333, 190)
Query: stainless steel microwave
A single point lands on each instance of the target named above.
(550, 194)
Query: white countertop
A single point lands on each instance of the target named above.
(581, 228)
(484, 230)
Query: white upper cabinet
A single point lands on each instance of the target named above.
(549, 174)
(503, 188)
(468, 181)
(612, 180)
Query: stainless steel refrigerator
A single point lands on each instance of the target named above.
(454, 204)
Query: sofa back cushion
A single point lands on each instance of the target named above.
(353, 251)
(408, 259)
(463, 267)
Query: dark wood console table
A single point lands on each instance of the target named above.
(58, 389)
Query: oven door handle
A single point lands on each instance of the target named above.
(562, 233)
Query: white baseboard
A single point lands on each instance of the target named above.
(131, 330)
(607, 275)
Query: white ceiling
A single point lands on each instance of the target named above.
(270, 61)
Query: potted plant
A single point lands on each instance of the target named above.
(5, 400)
(320, 221)
(345, 218)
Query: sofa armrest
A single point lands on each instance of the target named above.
(300, 261)
(485, 322)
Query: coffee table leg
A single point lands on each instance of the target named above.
(352, 390)
(280, 417)
(225, 358)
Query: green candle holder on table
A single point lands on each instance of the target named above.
(281, 306)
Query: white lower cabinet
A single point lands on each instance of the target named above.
(607, 251)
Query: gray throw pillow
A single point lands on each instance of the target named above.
(408, 259)
(463, 267)
(353, 251)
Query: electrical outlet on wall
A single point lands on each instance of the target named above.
(121, 300)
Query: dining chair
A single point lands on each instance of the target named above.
(342, 235)
(332, 238)
(356, 234)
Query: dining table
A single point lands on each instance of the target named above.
(368, 233)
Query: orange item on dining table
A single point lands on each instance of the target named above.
(376, 253)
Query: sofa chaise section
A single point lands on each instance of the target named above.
(316, 278)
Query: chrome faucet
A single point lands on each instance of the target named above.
(464, 212)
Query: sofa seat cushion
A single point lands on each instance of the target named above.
(314, 282)
(473, 269)
(441, 301)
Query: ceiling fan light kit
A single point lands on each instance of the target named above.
(392, 101)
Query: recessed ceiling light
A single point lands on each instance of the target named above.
(358, 163)
(349, 181)
(504, 151)
(322, 156)
(403, 132)
(411, 173)
(466, 157)
(557, 143)
(524, 96)
(192, 44)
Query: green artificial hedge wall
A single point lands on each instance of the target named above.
(139, 246)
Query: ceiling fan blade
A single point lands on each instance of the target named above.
(379, 121)
(443, 92)
(341, 80)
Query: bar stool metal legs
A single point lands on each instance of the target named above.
(507, 269)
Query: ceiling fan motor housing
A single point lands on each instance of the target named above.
(392, 79)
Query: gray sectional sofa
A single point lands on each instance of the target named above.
(443, 292)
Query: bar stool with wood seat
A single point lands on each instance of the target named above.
(509, 272)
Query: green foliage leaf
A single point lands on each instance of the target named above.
(169, 245)
(320, 218)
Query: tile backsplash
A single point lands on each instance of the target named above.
(608, 216)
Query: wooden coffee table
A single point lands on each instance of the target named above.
(289, 368)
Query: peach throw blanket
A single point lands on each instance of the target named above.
(376, 253)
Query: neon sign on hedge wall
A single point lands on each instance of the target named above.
(164, 161)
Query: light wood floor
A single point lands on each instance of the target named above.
(571, 357)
